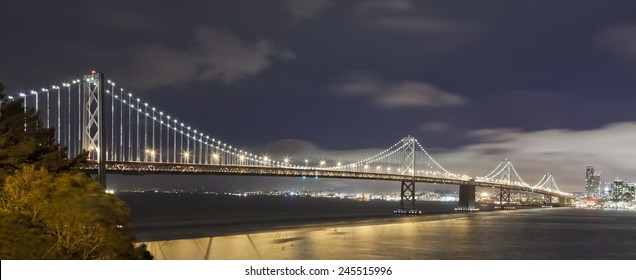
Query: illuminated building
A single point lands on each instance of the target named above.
(592, 182)
(622, 191)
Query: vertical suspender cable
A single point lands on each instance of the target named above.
(207, 149)
(153, 134)
(59, 131)
(37, 109)
(194, 147)
(48, 108)
(112, 123)
(181, 151)
(188, 145)
(160, 136)
(79, 117)
(130, 156)
(146, 151)
(137, 138)
(121, 126)
(68, 125)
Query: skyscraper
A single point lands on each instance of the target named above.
(623, 191)
(592, 182)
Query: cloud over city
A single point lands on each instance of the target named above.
(562, 152)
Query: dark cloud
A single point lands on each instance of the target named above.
(126, 20)
(215, 54)
(157, 66)
(620, 39)
(371, 7)
(402, 17)
(393, 95)
(304, 9)
(435, 126)
(422, 25)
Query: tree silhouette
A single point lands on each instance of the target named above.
(49, 209)
(24, 140)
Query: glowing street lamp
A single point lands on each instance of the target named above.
(152, 154)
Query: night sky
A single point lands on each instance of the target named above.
(550, 85)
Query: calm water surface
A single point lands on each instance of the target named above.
(189, 226)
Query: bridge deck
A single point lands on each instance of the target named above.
(141, 168)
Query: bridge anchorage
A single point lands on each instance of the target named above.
(124, 134)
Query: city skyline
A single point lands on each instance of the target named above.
(475, 86)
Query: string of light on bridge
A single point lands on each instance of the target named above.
(138, 131)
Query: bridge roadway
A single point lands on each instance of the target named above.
(142, 168)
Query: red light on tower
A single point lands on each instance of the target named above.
(93, 72)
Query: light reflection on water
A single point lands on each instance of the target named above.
(519, 234)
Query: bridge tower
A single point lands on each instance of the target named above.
(506, 172)
(407, 192)
(504, 193)
(94, 132)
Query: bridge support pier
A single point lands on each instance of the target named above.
(407, 198)
(547, 200)
(467, 197)
(504, 198)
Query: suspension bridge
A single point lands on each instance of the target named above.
(127, 135)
